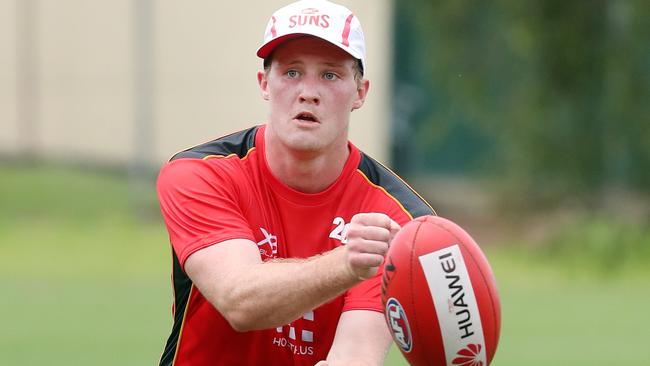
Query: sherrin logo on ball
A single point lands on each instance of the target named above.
(399, 325)
(438, 278)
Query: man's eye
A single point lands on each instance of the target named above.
(330, 76)
(292, 73)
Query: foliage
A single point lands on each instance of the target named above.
(550, 96)
(598, 244)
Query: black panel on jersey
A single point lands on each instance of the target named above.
(236, 143)
(182, 287)
(382, 176)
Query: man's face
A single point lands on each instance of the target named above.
(311, 88)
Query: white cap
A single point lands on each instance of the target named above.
(320, 18)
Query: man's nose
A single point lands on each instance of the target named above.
(309, 92)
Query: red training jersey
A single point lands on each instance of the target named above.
(224, 190)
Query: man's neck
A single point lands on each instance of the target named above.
(307, 172)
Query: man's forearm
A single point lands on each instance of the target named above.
(270, 294)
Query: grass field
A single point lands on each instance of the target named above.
(84, 281)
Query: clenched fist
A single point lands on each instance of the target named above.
(368, 238)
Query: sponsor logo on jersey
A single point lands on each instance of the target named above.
(298, 345)
(455, 303)
(268, 246)
(399, 325)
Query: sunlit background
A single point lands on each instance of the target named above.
(527, 123)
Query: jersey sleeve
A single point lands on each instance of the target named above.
(201, 205)
(366, 295)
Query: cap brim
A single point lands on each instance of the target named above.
(265, 50)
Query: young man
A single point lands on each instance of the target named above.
(279, 231)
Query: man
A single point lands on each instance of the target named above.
(279, 231)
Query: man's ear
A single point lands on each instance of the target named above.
(362, 91)
(264, 84)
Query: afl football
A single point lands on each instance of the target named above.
(440, 297)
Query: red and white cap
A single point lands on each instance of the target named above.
(320, 18)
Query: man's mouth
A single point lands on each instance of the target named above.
(306, 117)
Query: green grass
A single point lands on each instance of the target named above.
(85, 281)
(552, 316)
(82, 321)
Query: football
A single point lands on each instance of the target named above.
(440, 297)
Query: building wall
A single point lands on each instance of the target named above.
(70, 72)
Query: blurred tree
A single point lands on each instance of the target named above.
(552, 96)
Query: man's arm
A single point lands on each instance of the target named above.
(362, 339)
(252, 294)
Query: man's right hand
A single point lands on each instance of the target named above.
(368, 238)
